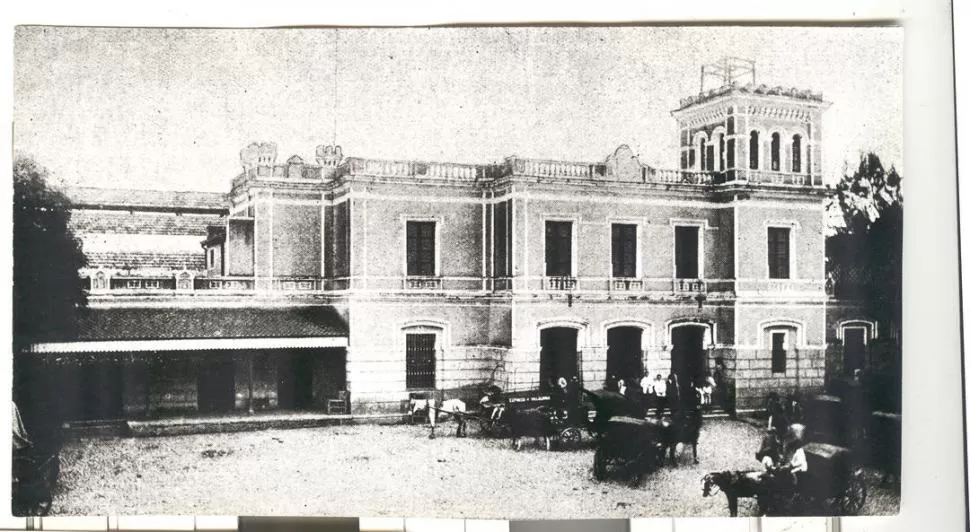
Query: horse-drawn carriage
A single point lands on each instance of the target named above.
(628, 446)
(550, 418)
(832, 484)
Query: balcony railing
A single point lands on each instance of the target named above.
(422, 283)
(560, 283)
(689, 286)
(225, 283)
(297, 285)
(626, 285)
(782, 178)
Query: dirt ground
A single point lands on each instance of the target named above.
(371, 470)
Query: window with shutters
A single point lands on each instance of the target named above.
(624, 250)
(421, 248)
(796, 154)
(686, 252)
(779, 253)
(502, 242)
(775, 152)
(559, 249)
(754, 143)
(779, 351)
(420, 361)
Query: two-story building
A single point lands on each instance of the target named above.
(374, 279)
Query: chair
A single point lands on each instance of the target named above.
(421, 415)
(340, 404)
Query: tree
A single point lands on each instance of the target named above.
(864, 255)
(47, 291)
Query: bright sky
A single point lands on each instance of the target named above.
(170, 109)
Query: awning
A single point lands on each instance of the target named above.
(194, 329)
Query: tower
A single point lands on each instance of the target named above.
(740, 131)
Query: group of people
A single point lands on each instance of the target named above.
(659, 394)
(782, 454)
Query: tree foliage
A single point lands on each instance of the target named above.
(864, 256)
(47, 292)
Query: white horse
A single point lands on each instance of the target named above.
(451, 407)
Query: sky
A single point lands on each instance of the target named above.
(170, 109)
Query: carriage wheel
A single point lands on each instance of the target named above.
(570, 437)
(600, 464)
(854, 496)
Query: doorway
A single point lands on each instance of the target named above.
(294, 380)
(854, 349)
(688, 358)
(624, 353)
(216, 384)
(558, 356)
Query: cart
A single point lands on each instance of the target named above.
(629, 447)
(833, 485)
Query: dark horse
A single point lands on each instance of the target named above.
(684, 427)
(735, 484)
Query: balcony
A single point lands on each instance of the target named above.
(297, 284)
(689, 286)
(422, 283)
(225, 283)
(765, 177)
(626, 285)
(559, 283)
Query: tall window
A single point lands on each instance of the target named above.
(421, 248)
(501, 222)
(702, 154)
(624, 250)
(720, 149)
(730, 154)
(796, 154)
(753, 148)
(420, 361)
(775, 152)
(779, 355)
(710, 157)
(779, 253)
(686, 252)
(559, 249)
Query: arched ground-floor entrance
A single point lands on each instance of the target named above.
(688, 358)
(624, 354)
(559, 356)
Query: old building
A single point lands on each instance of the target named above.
(347, 280)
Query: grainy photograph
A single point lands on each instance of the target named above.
(470, 272)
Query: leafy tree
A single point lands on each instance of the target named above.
(864, 255)
(47, 292)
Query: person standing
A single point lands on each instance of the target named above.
(646, 389)
(674, 399)
(660, 394)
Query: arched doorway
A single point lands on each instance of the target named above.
(624, 353)
(688, 358)
(558, 356)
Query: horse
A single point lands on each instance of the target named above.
(529, 422)
(451, 407)
(735, 485)
(684, 427)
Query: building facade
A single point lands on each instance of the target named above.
(360, 281)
